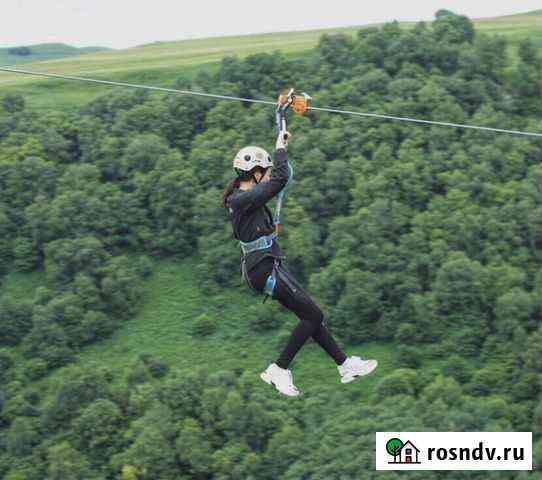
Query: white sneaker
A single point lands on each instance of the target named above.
(281, 379)
(354, 367)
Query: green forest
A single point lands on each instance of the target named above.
(422, 244)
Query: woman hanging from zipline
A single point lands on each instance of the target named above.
(258, 181)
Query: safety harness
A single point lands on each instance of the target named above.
(266, 241)
(300, 104)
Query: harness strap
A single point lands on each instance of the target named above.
(260, 243)
(278, 272)
(244, 275)
(280, 197)
(270, 284)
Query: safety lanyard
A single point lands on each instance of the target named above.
(280, 116)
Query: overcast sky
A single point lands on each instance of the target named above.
(126, 23)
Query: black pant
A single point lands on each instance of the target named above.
(295, 299)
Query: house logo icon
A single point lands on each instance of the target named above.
(402, 452)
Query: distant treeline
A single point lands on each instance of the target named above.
(21, 51)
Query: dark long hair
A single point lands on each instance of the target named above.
(230, 187)
(236, 182)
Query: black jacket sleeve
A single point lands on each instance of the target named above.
(263, 192)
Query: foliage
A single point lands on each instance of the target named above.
(425, 239)
(204, 325)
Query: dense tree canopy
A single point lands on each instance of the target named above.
(427, 238)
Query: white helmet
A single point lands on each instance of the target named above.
(249, 157)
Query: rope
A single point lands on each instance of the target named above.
(268, 102)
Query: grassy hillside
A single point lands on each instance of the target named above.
(155, 64)
(515, 27)
(159, 63)
(44, 52)
(163, 328)
(170, 55)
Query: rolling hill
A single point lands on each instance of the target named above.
(161, 62)
(43, 52)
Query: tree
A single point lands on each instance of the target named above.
(151, 454)
(528, 53)
(193, 447)
(402, 382)
(78, 388)
(22, 437)
(13, 103)
(6, 362)
(66, 462)
(120, 287)
(168, 192)
(97, 429)
(393, 447)
(48, 342)
(449, 27)
(64, 259)
(15, 320)
(285, 447)
(460, 293)
(512, 309)
(142, 153)
(360, 306)
(25, 254)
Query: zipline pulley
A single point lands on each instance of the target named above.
(300, 103)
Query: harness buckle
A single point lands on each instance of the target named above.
(271, 282)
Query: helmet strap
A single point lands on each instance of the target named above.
(259, 169)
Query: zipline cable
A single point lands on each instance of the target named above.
(430, 122)
(133, 85)
(267, 102)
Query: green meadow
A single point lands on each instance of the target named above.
(163, 328)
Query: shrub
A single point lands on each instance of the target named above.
(403, 381)
(204, 325)
(156, 367)
(36, 368)
(409, 356)
(13, 103)
(406, 333)
(144, 266)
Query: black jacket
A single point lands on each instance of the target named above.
(250, 215)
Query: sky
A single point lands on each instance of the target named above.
(127, 23)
